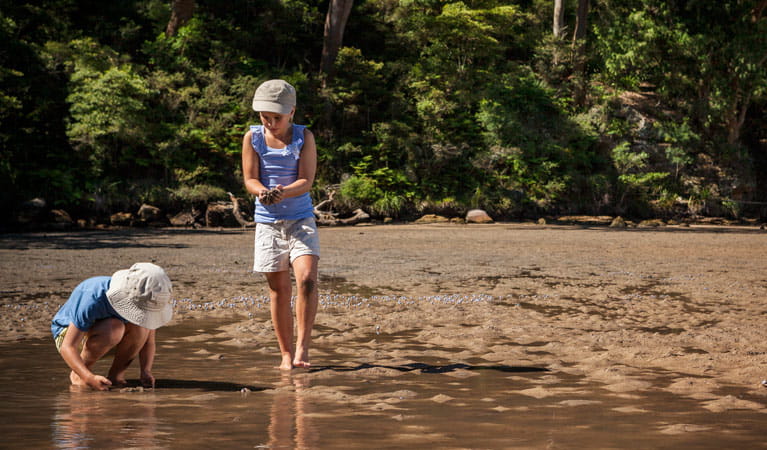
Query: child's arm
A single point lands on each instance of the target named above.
(146, 359)
(71, 355)
(307, 168)
(250, 167)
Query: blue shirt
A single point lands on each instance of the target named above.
(87, 304)
(280, 166)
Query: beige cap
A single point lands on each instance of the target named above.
(276, 96)
(141, 295)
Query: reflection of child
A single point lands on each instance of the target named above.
(81, 418)
(279, 161)
(120, 312)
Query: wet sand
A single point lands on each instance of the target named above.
(457, 336)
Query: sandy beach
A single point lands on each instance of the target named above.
(674, 310)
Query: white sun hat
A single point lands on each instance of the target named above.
(141, 295)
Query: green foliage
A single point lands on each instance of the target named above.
(532, 146)
(636, 183)
(357, 92)
(715, 51)
(362, 190)
(383, 190)
(198, 194)
(679, 158)
(438, 105)
(625, 160)
(109, 120)
(642, 47)
(459, 45)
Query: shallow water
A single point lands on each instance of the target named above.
(213, 395)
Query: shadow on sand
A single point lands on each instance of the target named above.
(217, 386)
(428, 368)
(96, 239)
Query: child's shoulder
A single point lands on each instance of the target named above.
(253, 135)
(306, 134)
(301, 130)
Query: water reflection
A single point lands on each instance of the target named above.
(168, 417)
(86, 419)
(291, 424)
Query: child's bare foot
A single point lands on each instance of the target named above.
(302, 364)
(76, 380)
(302, 359)
(286, 364)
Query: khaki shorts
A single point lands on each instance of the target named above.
(60, 340)
(278, 244)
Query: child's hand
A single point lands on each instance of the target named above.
(271, 196)
(147, 380)
(277, 193)
(99, 383)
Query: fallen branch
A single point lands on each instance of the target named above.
(327, 201)
(329, 218)
(236, 212)
(359, 216)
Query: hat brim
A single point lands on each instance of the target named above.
(273, 107)
(150, 319)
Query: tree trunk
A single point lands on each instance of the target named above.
(579, 52)
(559, 18)
(740, 103)
(181, 12)
(335, 23)
(581, 21)
(736, 116)
(558, 29)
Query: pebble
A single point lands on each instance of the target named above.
(132, 389)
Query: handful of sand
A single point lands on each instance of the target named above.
(270, 197)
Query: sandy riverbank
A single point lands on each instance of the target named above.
(620, 307)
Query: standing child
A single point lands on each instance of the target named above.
(120, 312)
(279, 161)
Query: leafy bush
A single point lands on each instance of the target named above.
(198, 194)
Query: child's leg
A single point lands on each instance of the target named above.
(127, 349)
(305, 269)
(104, 335)
(282, 315)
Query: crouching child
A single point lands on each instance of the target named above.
(118, 314)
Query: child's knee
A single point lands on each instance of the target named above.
(116, 332)
(135, 332)
(107, 332)
(307, 286)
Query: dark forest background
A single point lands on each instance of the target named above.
(640, 108)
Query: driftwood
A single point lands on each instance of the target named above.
(325, 218)
(237, 214)
(329, 218)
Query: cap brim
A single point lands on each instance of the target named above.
(263, 106)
